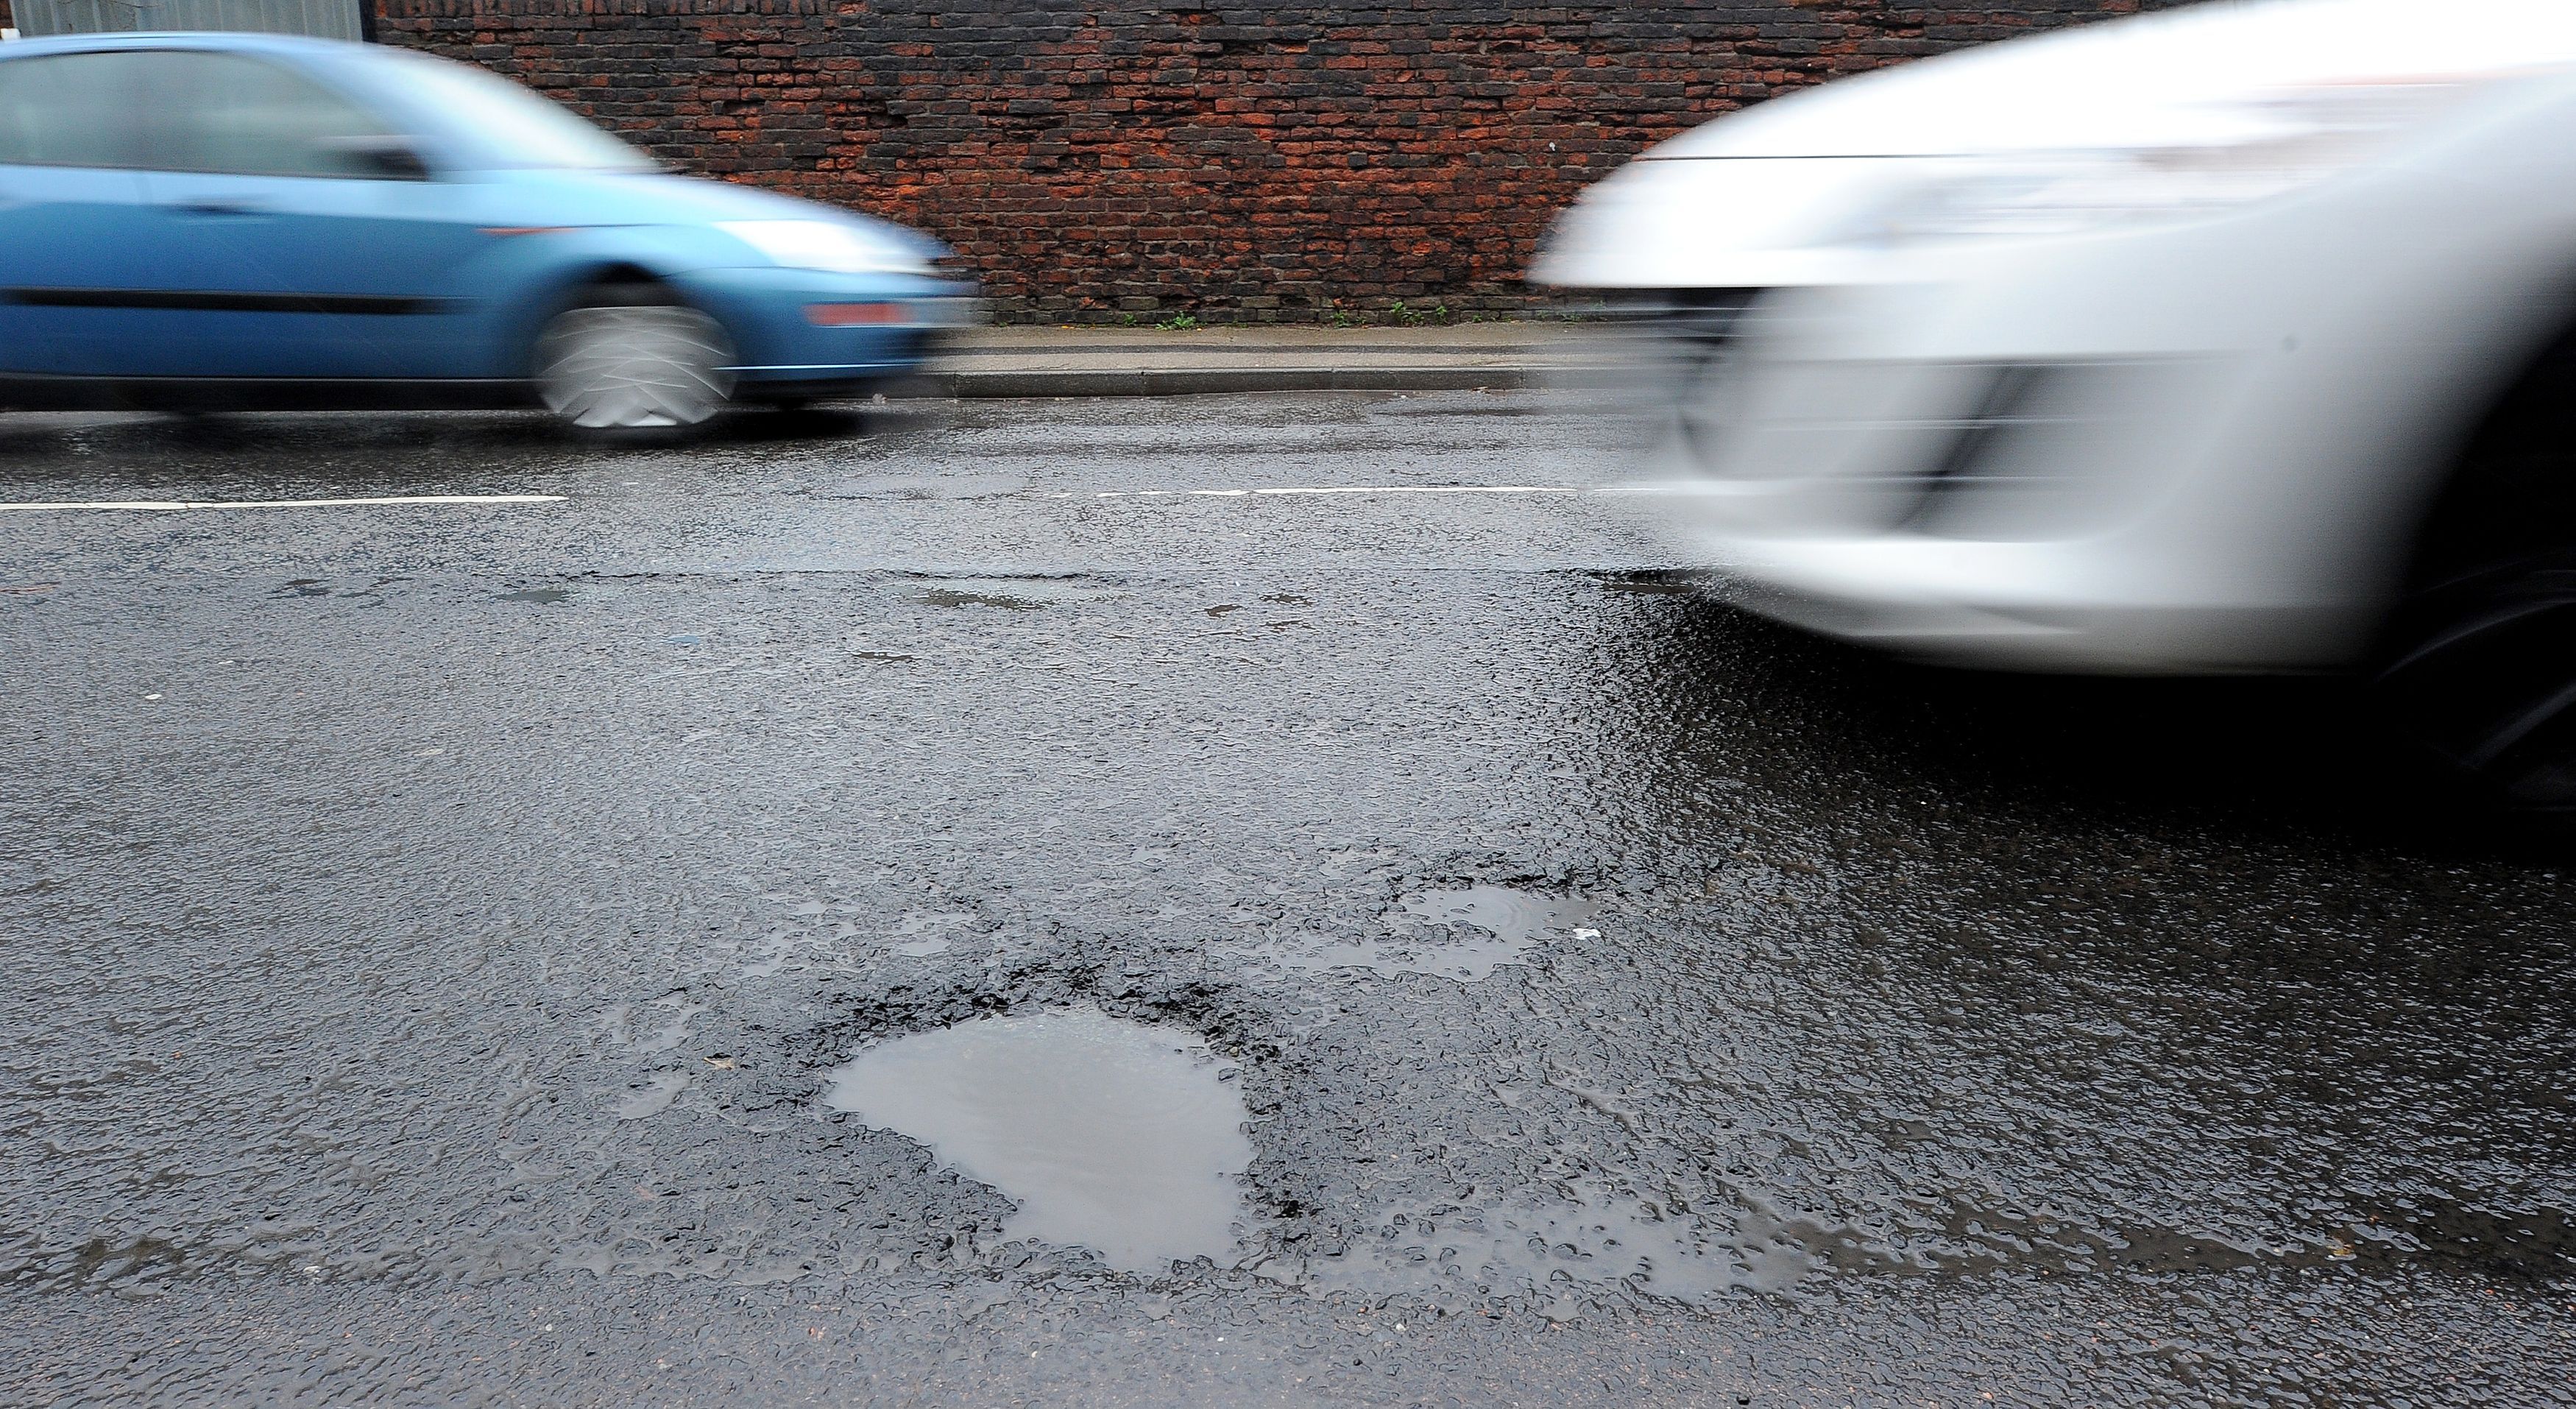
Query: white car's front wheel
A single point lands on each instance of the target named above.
(2479, 658)
(633, 360)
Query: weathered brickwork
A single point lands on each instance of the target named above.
(1288, 161)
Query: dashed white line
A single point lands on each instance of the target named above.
(171, 505)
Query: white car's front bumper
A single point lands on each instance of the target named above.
(2047, 510)
(2017, 606)
(2191, 448)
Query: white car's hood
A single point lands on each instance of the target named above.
(1758, 184)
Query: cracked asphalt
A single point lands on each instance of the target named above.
(428, 929)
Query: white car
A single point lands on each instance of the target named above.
(2240, 337)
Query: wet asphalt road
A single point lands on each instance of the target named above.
(428, 931)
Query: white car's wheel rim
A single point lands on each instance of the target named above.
(634, 367)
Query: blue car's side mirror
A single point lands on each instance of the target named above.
(380, 158)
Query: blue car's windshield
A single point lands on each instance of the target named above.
(513, 126)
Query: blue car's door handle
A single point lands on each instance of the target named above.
(224, 205)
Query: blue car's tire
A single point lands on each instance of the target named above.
(631, 360)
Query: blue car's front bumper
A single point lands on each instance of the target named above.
(805, 331)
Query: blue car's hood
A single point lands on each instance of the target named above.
(582, 198)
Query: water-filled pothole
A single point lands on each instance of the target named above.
(1111, 1135)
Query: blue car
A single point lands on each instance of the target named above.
(203, 221)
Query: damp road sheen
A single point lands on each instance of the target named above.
(427, 930)
(1114, 1136)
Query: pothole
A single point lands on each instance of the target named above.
(1111, 1135)
(1007, 593)
(935, 487)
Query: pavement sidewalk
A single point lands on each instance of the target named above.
(1095, 361)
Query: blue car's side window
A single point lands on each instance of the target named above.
(77, 110)
(254, 118)
(180, 110)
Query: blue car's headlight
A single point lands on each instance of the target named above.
(824, 245)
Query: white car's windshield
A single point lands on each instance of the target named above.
(514, 126)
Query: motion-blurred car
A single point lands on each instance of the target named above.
(238, 220)
(2235, 338)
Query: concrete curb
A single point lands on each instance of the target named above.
(1207, 381)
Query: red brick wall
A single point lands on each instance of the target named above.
(1278, 161)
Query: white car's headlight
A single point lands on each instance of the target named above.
(2206, 160)
(824, 245)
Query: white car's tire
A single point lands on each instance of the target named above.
(2478, 662)
(633, 361)
(2484, 675)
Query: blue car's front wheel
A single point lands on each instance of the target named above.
(628, 360)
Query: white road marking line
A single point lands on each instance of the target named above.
(181, 505)
(1391, 489)
(1412, 489)
(166, 505)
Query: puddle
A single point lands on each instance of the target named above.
(1470, 933)
(547, 596)
(1513, 916)
(1111, 1135)
(1019, 594)
(928, 934)
(672, 1032)
(655, 1098)
(623, 1027)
